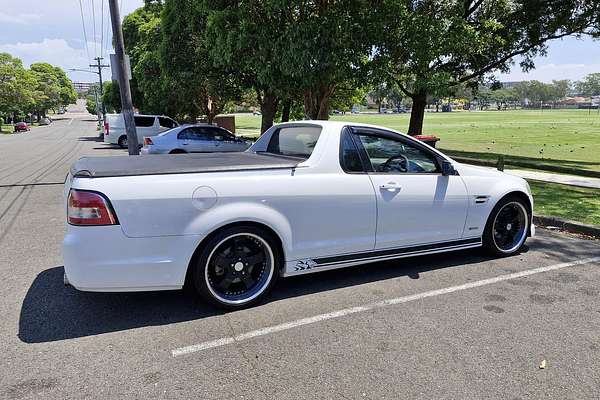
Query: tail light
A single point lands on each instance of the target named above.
(147, 141)
(106, 128)
(89, 208)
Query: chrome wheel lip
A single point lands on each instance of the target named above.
(524, 230)
(270, 260)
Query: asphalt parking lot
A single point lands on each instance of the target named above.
(458, 325)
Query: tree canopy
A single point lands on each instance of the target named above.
(429, 46)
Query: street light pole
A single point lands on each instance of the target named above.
(126, 103)
(100, 66)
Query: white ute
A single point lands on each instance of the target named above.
(306, 197)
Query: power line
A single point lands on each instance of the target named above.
(87, 50)
(102, 30)
(94, 23)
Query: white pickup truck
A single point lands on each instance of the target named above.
(306, 197)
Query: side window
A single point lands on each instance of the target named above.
(185, 134)
(349, 157)
(295, 141)
(143, 122)
(166, 122)
(395, 156)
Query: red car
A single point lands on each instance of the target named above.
(21, 127)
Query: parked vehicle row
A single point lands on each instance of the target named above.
(146, 125)
(306, 197)
(199, 138)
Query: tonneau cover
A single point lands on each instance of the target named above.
(102, 167)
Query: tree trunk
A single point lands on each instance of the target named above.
(316, 102)
(417, 114)
(268, 109)
(285, 112)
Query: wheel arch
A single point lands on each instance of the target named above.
(521, 195)
(267, 228)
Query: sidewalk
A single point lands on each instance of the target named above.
(572, 180)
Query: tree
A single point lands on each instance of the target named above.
(142, 34)
(195, 85)
(297, 50)
(249, 35)
(17, 85)
(111, 97)
(432, 45)
(379, 93)
(589, 86)
(54, 89)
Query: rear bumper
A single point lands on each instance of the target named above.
(103, 259)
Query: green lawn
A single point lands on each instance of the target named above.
(568, 202)
(551, 139)
(7, 128)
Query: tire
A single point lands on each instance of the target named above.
(507, 227)
(177, 151)
(237, 267)
(123, 142)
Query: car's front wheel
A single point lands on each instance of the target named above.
(123, 142)
(237, 267)
(507, 226)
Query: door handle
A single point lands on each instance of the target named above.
(390, 186)
(185, 144)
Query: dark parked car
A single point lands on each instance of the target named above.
(21, 127)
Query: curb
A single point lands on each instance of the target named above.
(566, 225)
(514, 163)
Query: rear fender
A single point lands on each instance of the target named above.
(226, 214)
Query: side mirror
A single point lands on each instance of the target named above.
(448, 168)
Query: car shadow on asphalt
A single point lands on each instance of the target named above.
(52, 312)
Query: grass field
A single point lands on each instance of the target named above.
(568, 202)
(565, 139)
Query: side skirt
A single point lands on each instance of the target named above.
(307, 266)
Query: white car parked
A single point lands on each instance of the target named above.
(200, 138)
(145, 125)
(306, 197)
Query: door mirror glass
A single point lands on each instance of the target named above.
(448, 168)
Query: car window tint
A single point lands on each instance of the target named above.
(166, 122)
(143, 122)
(297, 141)
(350, 158)
(395, 156)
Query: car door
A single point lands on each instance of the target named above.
(144, 126)
(202, 140)
(227, 141)
(416, 204)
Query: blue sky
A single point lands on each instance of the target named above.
(38, 30)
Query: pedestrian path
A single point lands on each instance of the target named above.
(572, 180)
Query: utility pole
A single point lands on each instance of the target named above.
(99, 65)
(126, 103)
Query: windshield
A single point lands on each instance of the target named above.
(295, 141)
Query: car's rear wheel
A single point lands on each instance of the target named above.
(507, 226)
(123, 142)
(237, 267)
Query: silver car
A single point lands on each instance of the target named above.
(201, 138)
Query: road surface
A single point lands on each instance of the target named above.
(458, 325)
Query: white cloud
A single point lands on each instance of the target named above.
(549, 72)
(56, 52)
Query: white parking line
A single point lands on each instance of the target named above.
(347, 311)
(70, 122)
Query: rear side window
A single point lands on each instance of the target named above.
(143, 122)
(166, 122)
(349, 156)
(295, 141)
